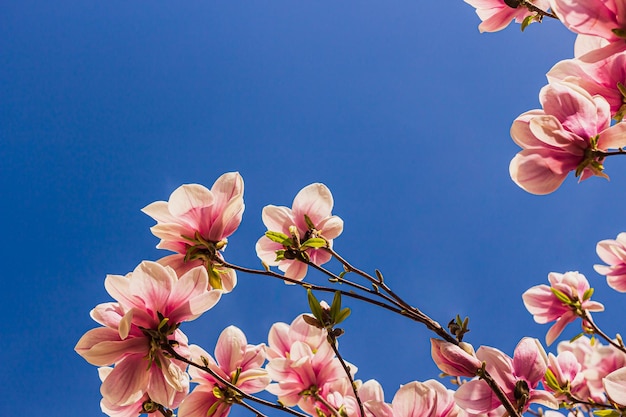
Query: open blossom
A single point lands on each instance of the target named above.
(613, 252)
(236, 362)
(567, 375)
(522, 373)
(195, 223)
(282, 336)
(430, 398)
(615, 386)
(599, 72)
(605, 19)
(151, 302)
(565, 136)
(141, 406)
(301, 376)
(314, 202)
(497, 14)
(573, 296)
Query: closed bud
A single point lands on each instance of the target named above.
(455, 360)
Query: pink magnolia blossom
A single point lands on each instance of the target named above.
(340, 395)
(565, 136)
(522, 373)
(302, 376)
(430, 398)
(599, 72)
(282, 337)
(605, 19)
(315, 202)
(573, 297)
(151, 302)
(615, 386)
(236, 362)
(141, 406)
(613, 252)
(497, 14)
(567, 373)
(455, 360)
(195, 223)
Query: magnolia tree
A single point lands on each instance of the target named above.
(147, 364)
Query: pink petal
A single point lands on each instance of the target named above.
(229, 348)
(127, 382)
(613, 138)
(476, 397)
(531, 171)
(102, 346)
(188, 197)
(615, 386)
(530, 360)
(314, 200)
(277, 219)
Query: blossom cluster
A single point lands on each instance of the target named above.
(147, 365)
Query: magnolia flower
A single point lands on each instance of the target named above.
(455, 360)
(613, 252)
(143, 405)
(564, 373)
(236, 362)
(151, 303)
(195, 223)
(301, 377)
(600, 72)
(615, 386)
(567, 135)
(605, 19)
(519, 375)
(282, 336)
(563, 301)
(309, 218)
(497, 14)
(430, 398)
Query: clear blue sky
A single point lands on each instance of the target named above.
(402, 108)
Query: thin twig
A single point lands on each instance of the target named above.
(333, 344)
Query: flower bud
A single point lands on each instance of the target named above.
(454, 360)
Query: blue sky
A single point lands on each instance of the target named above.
(402, 109)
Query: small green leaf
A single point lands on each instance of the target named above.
(312, 321)
(316, 309)
(576, 337)
(278, 237)
(619, 33)
(561, 296)
(527, 21)
(587, 295)
(606, 413)
(343, 314)
(551, 380)
(335, 307)
(314, 242)
(308, 222)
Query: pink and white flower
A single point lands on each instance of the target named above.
(455, 360)
(562, 302)
(613, 252)
(497, 14)
(565, 136)
(314, 202)
(605, 19)
(235, 361)
(615, 386)
(152, 301)
(521, 374)
(430, 398)
(195, 222)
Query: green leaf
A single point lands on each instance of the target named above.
(308, 222)
(527, 21)
(587, 295)
(606, 413)
(561, 296)
(314, 242)
(619, 33)
(335, 307)
(551, 380)
(576, 337)
(343, 314)
(316, 309)
(278, 237)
